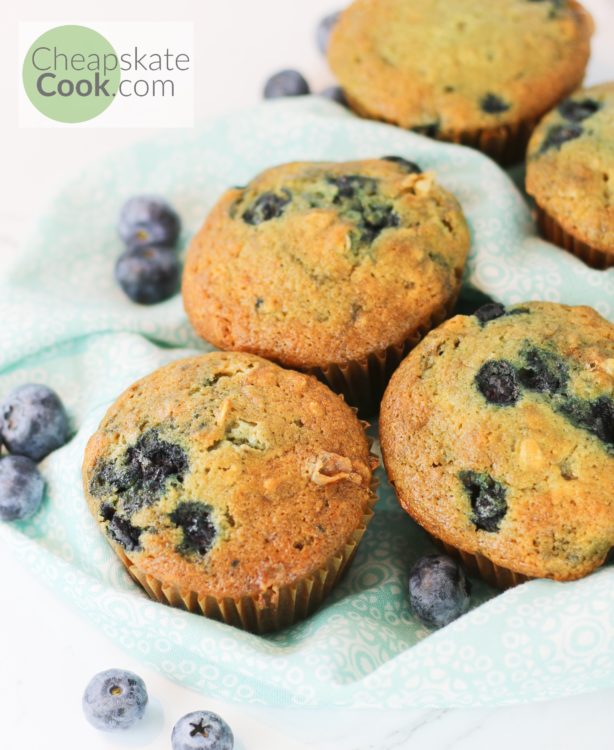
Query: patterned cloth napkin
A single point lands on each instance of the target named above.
(65, 323)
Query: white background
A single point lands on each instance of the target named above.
(47, 653)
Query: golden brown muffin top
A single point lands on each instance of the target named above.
(227, 475)
(318, 263)
(498, 435)
(570, 166)
(445, 67)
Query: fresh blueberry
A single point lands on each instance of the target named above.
(438, 590)
(33, 421)
(148, 220)
(21, 488)
(498, 383)
(408, 166)
(559, 134)
(202, 730)
(490, 311)
(148, 274)
(266, 207)
(335, 94)
(199, 531)
(493, 104)
(576, 111)
(324, 30)
(285, 83)
(114, 699)
(488, 499)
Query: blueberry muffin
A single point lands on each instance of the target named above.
(570, 174)
(498, 435)
(469, 71)
(231, 487)
(336, 269)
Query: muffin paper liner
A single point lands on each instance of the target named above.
(482, 567)
(363, 382)
(506, 144)
(290, 603)
(554, 232)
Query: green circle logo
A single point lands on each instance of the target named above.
(71, 73)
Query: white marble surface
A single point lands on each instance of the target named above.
(47, 653)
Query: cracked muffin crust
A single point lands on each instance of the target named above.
(226, 481)
(469, 71)
(498, 435)
(570, 174)
(320, 264)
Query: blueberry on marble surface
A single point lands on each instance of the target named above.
(202, 730)
(148, 220)
(114, 699)
(578, 110)
(559, 134)
(487, 497)
(335, 94)
(286, 83)
(196, 522)
(33, 421)
(324, 30)
(498, 383)
(266, 207)
(408, 166)
(438, 590)
(21, 488)
(493, 104)
(149, 274)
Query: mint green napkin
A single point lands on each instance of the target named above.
(65, 323)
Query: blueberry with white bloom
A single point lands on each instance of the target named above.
(21, 488)
(286, 83)
(114, 699)
(438, 590)
(148, 275)
(336, 94)
(202, 730)
(324, 31)
(33, 421)
(148, 220)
